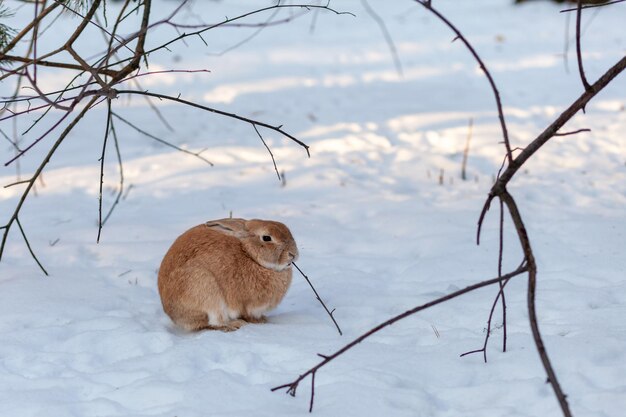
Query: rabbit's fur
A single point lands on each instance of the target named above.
(224, 273)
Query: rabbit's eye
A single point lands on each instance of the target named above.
(267, 238)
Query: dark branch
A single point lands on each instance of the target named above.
(292, 386)
(30, 249)
(532, 284)
(590, 6)
(42, 165)
(492, 83)
(269, 150)
(572, 132)
(220, 112)
(120, 192)
(579, 55)
(163, 141)
(104, 148)
(330, 313)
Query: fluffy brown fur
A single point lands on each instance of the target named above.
(223, 274)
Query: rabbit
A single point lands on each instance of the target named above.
(225, 273)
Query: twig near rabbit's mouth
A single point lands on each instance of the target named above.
(330, 313)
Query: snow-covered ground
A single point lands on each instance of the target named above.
(377, 232)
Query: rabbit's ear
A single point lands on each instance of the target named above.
(231, 227)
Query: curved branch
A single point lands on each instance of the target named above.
(292, 386)
(220, 112)
(579, 55)
(492, 83)
(499, 190)
(104, 148)
(226, 21)
(532, 311)
(330, 313)
(163, 141)
(31, 183)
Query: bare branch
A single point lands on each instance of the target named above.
(579, 56)
(52, 64)
(104, 147)
(499, 296)
(330, 313)
(292, 386)
(42, 165)
(532, 285)
(590, 6)
(226, 22)
(572, 133)
(496, 93)
(120, 192)
(220, 112)
(269, 150)
(500, 259)
(383, 28)
(19, 225)
(163, 141)
(261, 27)
(36, 141)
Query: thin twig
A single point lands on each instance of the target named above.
(499, 296)
(466, 150)
(312, 392)
(330, 313)
(32, 253)
(220, 112)
(38, 172)
(261, 27)
(120, 192)
(226, 21)
(383, 28)
(500, 260)
(13, 184)
(566, 44)
(572, 132)
(40, 138)
(163, 141)
(496, 93)
(590, 6)
(268, 149)
(579, 56)
(104, 148)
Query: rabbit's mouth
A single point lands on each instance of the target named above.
(274, 266)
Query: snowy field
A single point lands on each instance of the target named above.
(378, 231)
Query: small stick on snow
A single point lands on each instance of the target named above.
(330, 313)
(466, 150)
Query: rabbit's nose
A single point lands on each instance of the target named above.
(292, 256)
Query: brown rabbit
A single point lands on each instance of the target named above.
(224, 273)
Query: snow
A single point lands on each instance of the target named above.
(377, 233)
